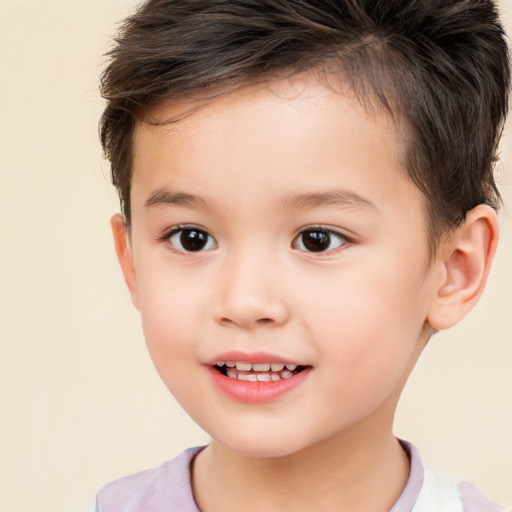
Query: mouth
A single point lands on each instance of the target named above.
(257, 377)
(258, 372)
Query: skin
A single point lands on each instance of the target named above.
(359, 314)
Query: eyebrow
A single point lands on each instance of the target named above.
(164, 196)
(336, 198)
(306, 201)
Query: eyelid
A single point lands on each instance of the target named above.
(327, 229)
(178, 227)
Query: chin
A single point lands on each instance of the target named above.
(263, 443)
(264, 448)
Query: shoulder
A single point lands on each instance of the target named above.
(166, 487)
(441, 493)
(474, 501)
(426, 491)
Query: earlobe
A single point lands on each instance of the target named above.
(462, 266)
(124, 254)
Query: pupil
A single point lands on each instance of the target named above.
(316, 241)
(193, 240)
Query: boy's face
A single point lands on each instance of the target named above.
(302, 241)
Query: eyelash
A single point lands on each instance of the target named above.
(204, 235)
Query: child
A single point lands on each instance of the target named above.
(308, 195)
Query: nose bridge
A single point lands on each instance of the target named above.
(250, 294)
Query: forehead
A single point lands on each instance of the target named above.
(275, 138)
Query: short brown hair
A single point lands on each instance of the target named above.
(440, 66)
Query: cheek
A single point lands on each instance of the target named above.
(170, 296)
(170, 312)
(367, 325)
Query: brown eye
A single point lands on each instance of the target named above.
(192, 240)
(319, 240)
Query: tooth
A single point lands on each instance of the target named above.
(277, 367)
(252, 377)
(230, 364)
(244, 367)
(231, 373)
(220, 363)
(286, 374)
(275, 376)
(243, 376)
(263, 377)
(291, 367)
(264, 367)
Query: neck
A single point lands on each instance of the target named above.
(365, 472)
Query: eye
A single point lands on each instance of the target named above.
(319, 240)
(190, 240)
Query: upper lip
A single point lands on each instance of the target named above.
(252, 357)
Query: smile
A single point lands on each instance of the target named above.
(257, 372)
(259, 382)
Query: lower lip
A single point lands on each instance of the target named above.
(256, 392)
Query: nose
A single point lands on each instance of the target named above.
(250, 294)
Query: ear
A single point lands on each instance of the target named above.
(125, 254)
(462, 266)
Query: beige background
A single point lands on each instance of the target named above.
(80, 403)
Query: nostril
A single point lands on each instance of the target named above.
(260, 321)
